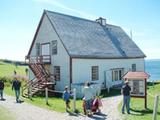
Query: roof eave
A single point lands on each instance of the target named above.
(103, 57)
(35, 35)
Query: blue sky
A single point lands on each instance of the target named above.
(19, 20)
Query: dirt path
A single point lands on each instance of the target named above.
(25, 111)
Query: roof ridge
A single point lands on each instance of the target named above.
(94, 21)
(69, 15)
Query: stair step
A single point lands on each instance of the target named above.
(41, 75)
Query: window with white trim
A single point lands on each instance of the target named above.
(95, 73)
(57, 73)
(117, 74)
(133, 67)
(54, 47)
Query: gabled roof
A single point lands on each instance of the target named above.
(84, 38)
(138, 75)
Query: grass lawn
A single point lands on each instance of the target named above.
(138, 112)
(55, 103)
(5, 114)
(7, 69)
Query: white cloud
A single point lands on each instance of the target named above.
(64, 7)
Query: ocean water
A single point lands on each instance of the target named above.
(152, 67)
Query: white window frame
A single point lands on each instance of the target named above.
(95, 73)
(116, 76)
(54, 49)
(133, 67)
(57, 73)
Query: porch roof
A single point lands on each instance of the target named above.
(133, 75)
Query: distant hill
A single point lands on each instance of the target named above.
(20, 63)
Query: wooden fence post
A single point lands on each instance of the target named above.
(155, 108)
(46, 94)
(29, 91)
(74, 99)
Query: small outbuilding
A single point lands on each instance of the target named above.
(138, 84)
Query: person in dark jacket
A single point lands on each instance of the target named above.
(1, 89)
(16, 85)
(126, 97)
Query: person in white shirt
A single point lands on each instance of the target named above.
(88, 93)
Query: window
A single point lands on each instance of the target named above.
(57, 72)
(133, 67)
(117, 74)
(54, 47)
(37, 49)
(95, 75)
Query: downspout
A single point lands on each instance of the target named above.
(70, 72)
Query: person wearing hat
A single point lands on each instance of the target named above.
(125, 91)
(66, 98)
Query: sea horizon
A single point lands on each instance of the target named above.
(152, 67)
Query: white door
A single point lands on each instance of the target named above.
(45, 49)
(45, 52)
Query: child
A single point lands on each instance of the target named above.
(96, 105)
(66, 98)
(95, 108)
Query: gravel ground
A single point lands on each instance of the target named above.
(25, 111)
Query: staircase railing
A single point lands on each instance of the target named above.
(42, 77)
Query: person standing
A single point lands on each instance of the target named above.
(126, 97)
(1, 89)
(66, 98)
(88, 96)
(16, 85)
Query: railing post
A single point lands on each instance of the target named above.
(155, 108)
(46, 94)
(74, 99)
(30, 89)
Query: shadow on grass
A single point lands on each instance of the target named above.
(112, 92)
(142, 112)
(49, 105)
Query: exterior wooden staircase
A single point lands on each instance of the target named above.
(42, 78)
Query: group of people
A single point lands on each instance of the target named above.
(91, 103)
(16, 85)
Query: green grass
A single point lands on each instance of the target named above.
(7, 69)
(55, 103)
(5, 114)
(138, 112)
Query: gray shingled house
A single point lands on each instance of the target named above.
(68, 50)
